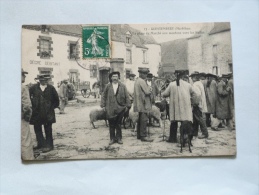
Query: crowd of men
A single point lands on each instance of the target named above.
(38, 104)
(206, 100)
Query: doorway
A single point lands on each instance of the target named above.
(103, 77)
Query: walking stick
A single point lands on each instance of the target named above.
(164, 131)
(149, 123)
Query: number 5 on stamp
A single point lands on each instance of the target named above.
(96, 42)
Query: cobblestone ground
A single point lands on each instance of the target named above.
(74, 138)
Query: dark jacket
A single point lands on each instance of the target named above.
(142, 96)
(43, 104)
(115, 103)
(223, 108)
(155, 92)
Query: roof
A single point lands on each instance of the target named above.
(72, 30)
(220, 27)
(194, 36)
(174, 53)
(118, 33)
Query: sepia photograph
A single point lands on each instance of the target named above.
(127, 91)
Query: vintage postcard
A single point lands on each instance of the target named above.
(116, 91)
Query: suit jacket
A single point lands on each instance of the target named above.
(142, 96)
(155, 91)
(63, 91)
(223, 107)
(115, 103)
(43, 104)
(26, 103)
(180, 103)
(211, 97)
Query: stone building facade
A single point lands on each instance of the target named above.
(57, 50)
(210, 51)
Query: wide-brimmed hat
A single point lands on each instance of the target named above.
(225, 76)
(230, 74)
(114, 72)
(202, 74)
(143, 70)
(43, 77)
(181, 72)
(211, 75)
(24, 72)
(132, 75)
(195, 73)
(65, 80)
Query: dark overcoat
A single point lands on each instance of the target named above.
(223, 107)
(142, 96)
(43, 104)
(115, 103)
(211, 96)
(155, 91)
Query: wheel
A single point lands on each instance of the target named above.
(126, 122)
(74, 96)
(160, 84)
(85, 93)
(88, 93)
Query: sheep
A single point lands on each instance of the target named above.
(163, 106)
(97, 114)
(155, 113)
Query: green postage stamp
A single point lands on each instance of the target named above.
(96, 42)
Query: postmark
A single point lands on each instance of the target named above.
(96, 42)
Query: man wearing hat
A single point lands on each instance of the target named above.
(26, 140)
(199, 118)
(202, 77)
(130, 85)
(211, 97)
(231, 86)
(181, 94)
(63, 96)
(142, 103)
(223, 104)
(44, 98)
(115, 101)
(153, 85)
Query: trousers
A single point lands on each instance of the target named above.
(42, 142)
(208, 119)
(26, 141)
(142, 125)
(173, 131)
(115, 127)
(199, 120)
(63, 103)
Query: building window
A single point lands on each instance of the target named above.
(145, 61)
(215, 55)
(215, 70)
(45, 47)
(128, 56)
(128, 39)
(93, 71)
(73, 50)
(230, 67)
